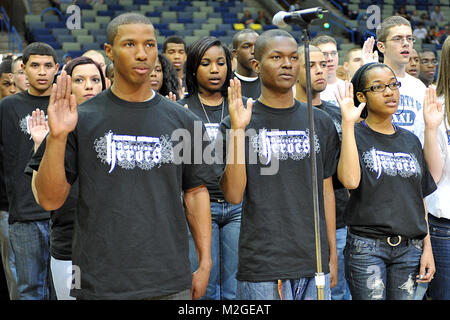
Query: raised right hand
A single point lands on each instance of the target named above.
(349, 112)
(239, 115)
(62, 109)
(433, 112)
(368, 54)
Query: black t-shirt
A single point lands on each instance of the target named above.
(16, 145)
(61, 220)
(130, 238)
(250, 89)
(394, 181)
(277, 239)
(211, 120)
(4, 206)
(340, 193)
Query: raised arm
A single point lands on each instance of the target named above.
(50, 182)
(349, 172)
(234, 179)
(38, 130)
(433, 114)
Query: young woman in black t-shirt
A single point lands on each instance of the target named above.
(208, 73)
(388, 250)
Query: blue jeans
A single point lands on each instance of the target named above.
(8, 259)
(300, 289)
(440, 242)
(341, 290)
(30, 243)
(377, 271)
(226, 225)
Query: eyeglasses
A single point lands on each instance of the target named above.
(381, 88)
(426, 62)
(332, 54)
(399, 39)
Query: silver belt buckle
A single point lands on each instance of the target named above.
(394, 244)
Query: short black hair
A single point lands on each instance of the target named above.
(125, 18)
(170, 81)
(172, 39)
(195, 53)
(5, 66)
(234, 40)
(265, 37)
(84, 60)
(38, 48)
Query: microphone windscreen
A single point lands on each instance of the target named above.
(278, 19)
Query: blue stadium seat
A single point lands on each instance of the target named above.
(66, 38)
(228, 15)
(270, 26)
(106, 13)
(139, 2)
(153, 14)
(48, 18)
(54, 25)
(230, 20)
(54, 44)
(161, 26)
(217, 33)
(185, 20)
(177, 8)
(84, 6)
(221, 9)
(44, 38)
(40, 31)
(166, 32)
(61, 31)
(115, 7)
(75, 54)
(91, 46)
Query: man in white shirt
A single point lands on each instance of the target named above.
(420, 32)
(328, 46)
(395, 41)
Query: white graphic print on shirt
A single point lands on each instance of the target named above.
(391, 163)
(212, 129)
(292, 144)
(133, 151)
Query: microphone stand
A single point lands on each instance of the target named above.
(320, 276)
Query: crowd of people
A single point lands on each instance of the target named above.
(186, 174)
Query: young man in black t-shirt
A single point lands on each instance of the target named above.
(318, 84)
(277, 239)
(243, 49)
(130, 238)
(29, 222)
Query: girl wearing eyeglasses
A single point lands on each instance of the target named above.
(388, 251)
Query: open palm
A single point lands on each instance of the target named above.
(240, 116)
(433, 112)
(38, 126)
(345, 99)
(62, 109)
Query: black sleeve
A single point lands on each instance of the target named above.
(331, 153)
(428, 184)
(202, 168)
(70, 160)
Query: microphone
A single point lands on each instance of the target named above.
(283, 18)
